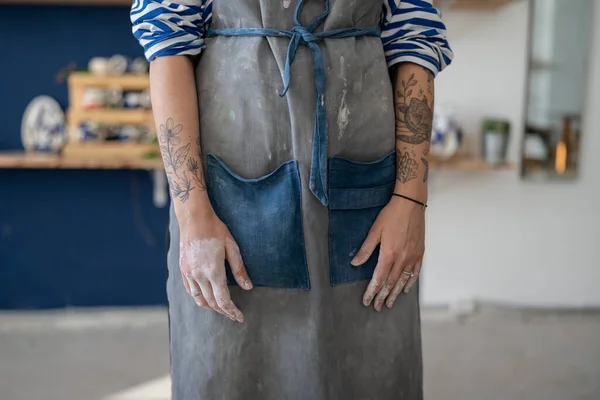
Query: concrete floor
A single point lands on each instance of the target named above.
(123, 355)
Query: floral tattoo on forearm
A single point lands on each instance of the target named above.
(175, 157)
(414, 123)
(414, 119)
(406, 167)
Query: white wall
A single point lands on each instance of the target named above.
(492, 237)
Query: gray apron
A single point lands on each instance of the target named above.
(307, 335)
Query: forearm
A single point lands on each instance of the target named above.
(175, 106)
(413, 99)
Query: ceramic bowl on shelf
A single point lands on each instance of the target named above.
(138, 66)
(90, 131)
(43, 126)
(117, 65)
(98, 66)
(93, 97)
(132, 100)
(113, 97)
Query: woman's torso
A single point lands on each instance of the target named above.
(238, 79)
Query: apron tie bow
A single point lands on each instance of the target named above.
(299, 35)
(307, 36)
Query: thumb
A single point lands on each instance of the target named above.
(232, 253)
(367, 248)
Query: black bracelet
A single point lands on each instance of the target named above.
(413, 200)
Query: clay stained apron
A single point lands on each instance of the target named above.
(299, 180)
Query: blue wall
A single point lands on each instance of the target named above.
(70, 237)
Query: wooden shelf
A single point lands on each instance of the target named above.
(112, 117)
(126, 82)
(467, 164)
(30, 160)
(110, 149)
(79, 82)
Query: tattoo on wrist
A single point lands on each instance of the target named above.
(414, 118)
(406, 167)
(175, 157)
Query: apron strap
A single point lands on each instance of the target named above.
(304, 35)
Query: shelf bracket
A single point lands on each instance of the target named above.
(160, 187)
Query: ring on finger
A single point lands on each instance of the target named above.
(409, 273)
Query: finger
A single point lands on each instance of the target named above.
(389, 284)
(404, 277)
(382, 270)
(413, 279)
(192, 286)
(210, 298)
(378, 301)
(207, 292)
(368, 247)
(201, 301)
(194, 290)
(185, 283)
(232, 252)
(223, 298)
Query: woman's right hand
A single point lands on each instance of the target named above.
(205, 243)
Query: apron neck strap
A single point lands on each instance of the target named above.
(317, 21)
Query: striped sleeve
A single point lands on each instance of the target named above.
(167, 28)
(413, 31)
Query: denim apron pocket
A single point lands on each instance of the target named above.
(265, 218)
(357, 193)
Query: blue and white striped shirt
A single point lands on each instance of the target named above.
(412, 30)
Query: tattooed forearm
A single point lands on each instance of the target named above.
(413, 100)
(406, 166)
(414, 118)
(175, 156)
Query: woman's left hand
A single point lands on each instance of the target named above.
(400, 229)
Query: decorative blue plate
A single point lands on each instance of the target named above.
(43, 126)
